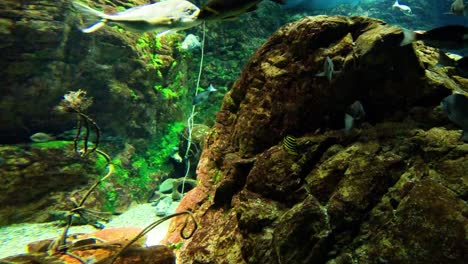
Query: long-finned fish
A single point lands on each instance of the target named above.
(456, 107)
(354, 113)
(446, 37)
(162, 17)
(42, 137)
(228, 9)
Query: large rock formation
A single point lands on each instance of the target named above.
(391, 191)
(44, 55)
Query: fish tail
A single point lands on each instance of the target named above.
(320, 74)
(408, 37)
(349, 123)
(94, 27)
(88, 10)
(464, 135)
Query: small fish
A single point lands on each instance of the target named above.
(453, 60)
(162, 17)
(41, 137)
(458, 8)
(164, 206)
(355, 112)
(456, 107)
(447, 37)
(404, 8)
(318, 4)
(203, 96)
(176, 157)
(328, 69)
(290, 145)
(228, 9)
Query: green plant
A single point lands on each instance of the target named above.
(161, 149)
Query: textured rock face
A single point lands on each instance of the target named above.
(38, 179)
(44, 55)
(391, 191)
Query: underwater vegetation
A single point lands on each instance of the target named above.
(341, 134)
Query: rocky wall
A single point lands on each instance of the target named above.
(392, 190)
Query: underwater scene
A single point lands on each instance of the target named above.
(234, 131)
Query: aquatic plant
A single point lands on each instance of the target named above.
(77, 102)
(160, 149)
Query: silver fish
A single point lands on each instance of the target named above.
(41, 137)
(404, 8)
(456, 107)
(452, 37)
(203, 96)
(458, 8)
(162, 17)
(355, 112)
(328, 69)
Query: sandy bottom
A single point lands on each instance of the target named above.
(14, 238)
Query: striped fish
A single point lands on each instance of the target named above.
(290, 145)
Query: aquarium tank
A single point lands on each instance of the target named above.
(234, 131)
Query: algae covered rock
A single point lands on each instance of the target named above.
(371, 195)
(37, 179)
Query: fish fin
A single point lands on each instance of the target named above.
(161, 20)
(166, 32)
(464, 135)
(209, 9)
(252, 8)
(349, 123)
(94, 27)
(408, 37)
(88, 10)
(320, 74)
(281, 2)
(444, 60)
(230, 18)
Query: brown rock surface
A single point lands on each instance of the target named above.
(391, 191)
(36, 180)
(44, 55)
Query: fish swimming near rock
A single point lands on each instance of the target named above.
(290, 145)
(228, 9)
(203, 96)
(451, 37)
(328, 69)
(454, 60)
(41, 137)
(456, 107)
(318, 4)
(404, 8)
(162, 17)
(354, 113)
(458, 8)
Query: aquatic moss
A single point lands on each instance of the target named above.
(162, 148)
(112, 200)
(217, 176)
(53, 144)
